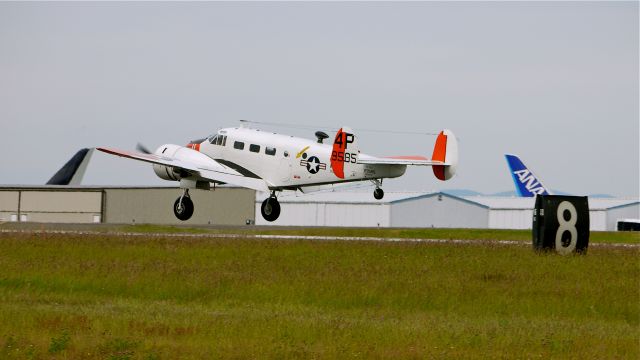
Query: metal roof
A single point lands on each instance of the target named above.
(496, 203)
(521, 203)
(358, 197)
(343, 197)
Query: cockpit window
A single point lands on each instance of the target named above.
(220, 140)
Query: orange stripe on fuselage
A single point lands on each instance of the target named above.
(338, 166)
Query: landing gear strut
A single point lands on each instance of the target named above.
(378, 193)
(270, 208)
(183, 207)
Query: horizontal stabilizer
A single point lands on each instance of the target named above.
(444, 159)
(398, 160)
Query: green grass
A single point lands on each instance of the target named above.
(110, 297)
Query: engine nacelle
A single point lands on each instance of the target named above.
(189, 156)
(167, 172)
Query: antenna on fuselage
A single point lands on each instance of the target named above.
(321, 135)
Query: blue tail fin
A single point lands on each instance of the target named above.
(527, 184)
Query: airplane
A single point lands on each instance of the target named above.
(271, 162)
(525, 181)
(72, 171)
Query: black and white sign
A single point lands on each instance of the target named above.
(561, 223)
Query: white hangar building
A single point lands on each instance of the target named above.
(428, 209)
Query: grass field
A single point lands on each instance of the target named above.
(154, 297)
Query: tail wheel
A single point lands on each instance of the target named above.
(183, 209)
(378, 194)
(270, 209)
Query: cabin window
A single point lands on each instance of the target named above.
(254, 148)
(238, 145)
(270, 151)
(286, 154)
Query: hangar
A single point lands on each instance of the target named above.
(362, 210)
(123, 205)
(239, 206)
(429, 209)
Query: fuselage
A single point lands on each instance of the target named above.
(288, 162)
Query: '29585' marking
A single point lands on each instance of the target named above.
(344, 157)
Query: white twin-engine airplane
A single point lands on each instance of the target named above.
(267, 161)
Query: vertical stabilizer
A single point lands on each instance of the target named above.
(446, 151)
(345, 153)
(526, 182)
(73, 171)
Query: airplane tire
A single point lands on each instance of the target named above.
(185, 211)
(378, 194)
(270, 209)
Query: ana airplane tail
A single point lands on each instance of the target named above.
(73, 171)
(525, 181)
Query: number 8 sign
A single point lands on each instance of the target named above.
(561, 223)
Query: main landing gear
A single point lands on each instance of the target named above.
(270, 208)
(378, 193)
(183, 207)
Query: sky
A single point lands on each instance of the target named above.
(556, 83)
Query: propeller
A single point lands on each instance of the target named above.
(142, 149)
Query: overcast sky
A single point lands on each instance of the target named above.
(556, 83)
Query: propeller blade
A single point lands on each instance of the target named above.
(143, 149)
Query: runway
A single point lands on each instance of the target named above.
(311, 238)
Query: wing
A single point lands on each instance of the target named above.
(195, 164)
(397, 160)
